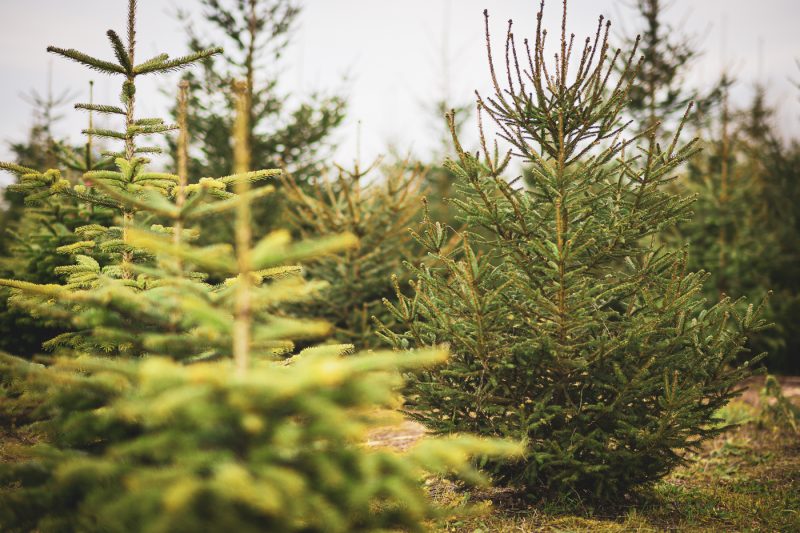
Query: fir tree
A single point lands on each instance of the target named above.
(744, 231)
(658, 97)
(572, 330)
(103, 253)
(38, 235)
(782, 175)
(255, 34)
(209, 427)
(284, 130)
(727, 232)
(36, 151)
(378, 211)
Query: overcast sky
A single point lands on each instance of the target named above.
(391, 53)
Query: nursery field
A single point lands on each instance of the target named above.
(581, 317)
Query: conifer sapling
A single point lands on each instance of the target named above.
(573, 330)
(203, 429)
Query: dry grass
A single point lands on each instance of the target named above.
(747, 479)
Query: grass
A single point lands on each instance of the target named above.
(747, 479)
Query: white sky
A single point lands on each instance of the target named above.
(390, 50)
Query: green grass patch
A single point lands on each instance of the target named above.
(748, 479)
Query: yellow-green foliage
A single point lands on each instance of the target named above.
(154, 445)
(209, 426)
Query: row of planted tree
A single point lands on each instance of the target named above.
(550, 329)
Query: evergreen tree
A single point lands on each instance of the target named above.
(255, 34)
(208, 426)
(36, 151)
(659, 96)
(284, 130)
(104, 253)
(37, 237)
(745, 230)
(727, 232)
(572, 330)
(780, 167)
(378, 211)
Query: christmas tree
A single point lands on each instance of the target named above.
(743, 230)
(778, 163)
(573, 329)
(37, 237)
(285, 130)
(376, 209)
(200, 420)
(659, 96)
(255, 34)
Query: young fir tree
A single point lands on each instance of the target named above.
(285, 130)
(781, 176)
(255, 34)
(659, 96)
(214, 433)
(37, 151)
(572, 330)
(104, 254)
(744, 231)
(378, 211)
(37, 238)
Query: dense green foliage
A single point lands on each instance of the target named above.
(37, 239)
(159, 446)
(573, 329)
(378, 210)
(174, 404)
(285, 129)
(563, 323)
(742, 229)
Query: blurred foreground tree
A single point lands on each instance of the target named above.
(198, 421)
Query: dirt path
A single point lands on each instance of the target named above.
(789, 384)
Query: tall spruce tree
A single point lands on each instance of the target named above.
(573, 330)
(207, 427)
(781, 175)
